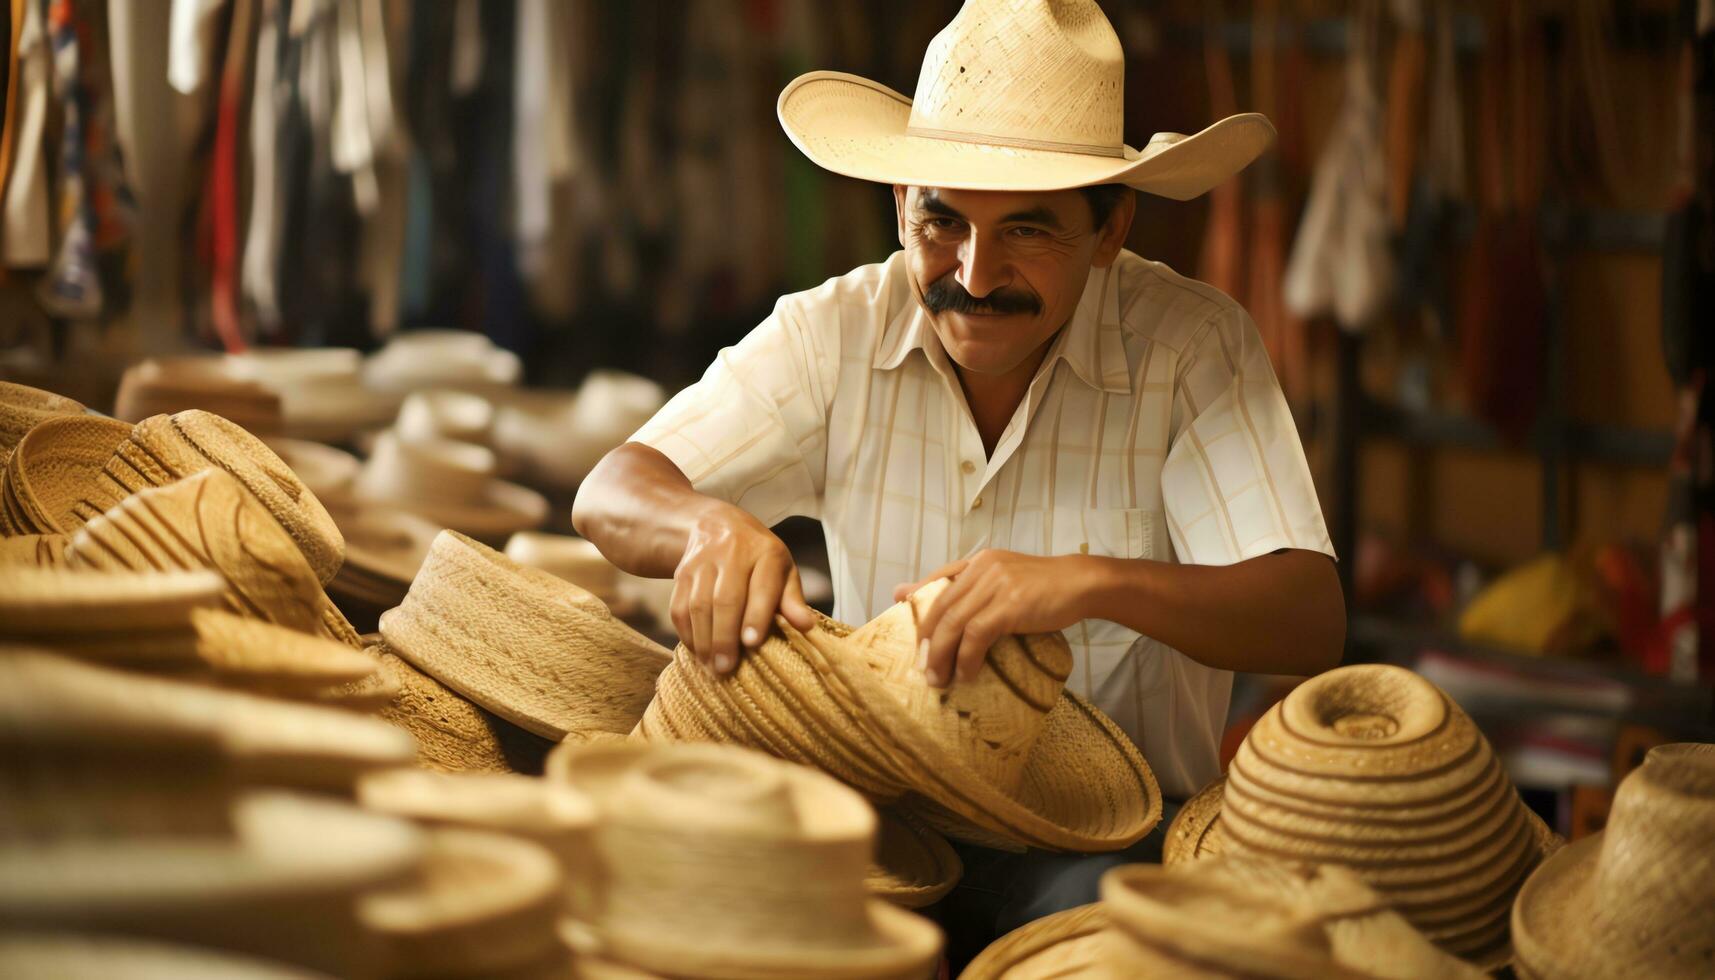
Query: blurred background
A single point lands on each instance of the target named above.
(1479, 256)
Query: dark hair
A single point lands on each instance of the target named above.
(1103, 199)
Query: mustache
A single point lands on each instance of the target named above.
(946, 295)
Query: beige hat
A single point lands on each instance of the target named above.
(440, 358)
(452, 484)
(549, 813)
(51, 469)
(211, 521)
(174, 384)
(1192, 834)
(93, 956)
(482, 902)
(321, 390)
(722, 862)
(530, 647)
(327, 472)
(914, 866)
(384, 548)
(41, 550)
(1069, 943)
(454, 735)
(1638, 898)
(22, 408)
(1014, 95)
(72, 604)
(574, 559)
(1372, 767)
(167, 448)
(1010, 753)
(460, 416)
(253, 655)
(282, 885)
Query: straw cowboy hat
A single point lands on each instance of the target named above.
(452, 484)
(452, 734)
(22, 408)
(483, 902)
(92, 956)
(1638, 898)
(165, 448)
(1014, 95)
(783, 847)
(49, 470)
(528, 646)
(211, 521)
(1007, 759)
(1374, 768)
(174, 384)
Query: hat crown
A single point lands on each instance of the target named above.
(1042, 74)
(1662, 824)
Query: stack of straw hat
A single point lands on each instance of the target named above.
(1227, 917)
(166, 385)
(530, 647)
(449, 483)
(574, 559)
(719, 862)
(22, 408)
(417, 359)
(559, 437)
(39, 485)
(1637, 898)
(321, 390)
(1007, 759)
(1374, 768)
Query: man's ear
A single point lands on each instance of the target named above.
(899, 192)
(1115, 231)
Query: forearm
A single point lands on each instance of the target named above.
(1280, 613)
(639, 509)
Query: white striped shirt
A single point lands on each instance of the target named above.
(1154, 429)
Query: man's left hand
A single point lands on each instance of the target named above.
(994, 594)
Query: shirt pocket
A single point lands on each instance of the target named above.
(1108, 533)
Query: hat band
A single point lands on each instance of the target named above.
(1053, 146)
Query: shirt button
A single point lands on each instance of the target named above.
(968, 466)
(977, 504)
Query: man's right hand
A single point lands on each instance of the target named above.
(734, 574)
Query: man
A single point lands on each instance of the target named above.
(1081, 439)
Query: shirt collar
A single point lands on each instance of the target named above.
(1090, 344)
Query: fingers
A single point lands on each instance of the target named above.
(767, 581)
(944, 625)
(950, 570)
(982, 632)
(726, 611)
(793, 606)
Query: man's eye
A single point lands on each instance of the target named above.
(943, 224)
(1027, 232)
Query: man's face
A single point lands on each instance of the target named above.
(999, 272)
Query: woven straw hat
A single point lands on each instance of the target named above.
(452, 734)
(440, 358)
(50, 470)
(1638, 898)
(547, 812)
(321, 390)
(481, 902)
(327, 472)
(721, 862)
(528, 646)
(40, 550)
(452, 484)
(460, 416)
(167, 448)
(52, 603)
(1192, 834)
(91, 956)
(22, 408)
(175, 384)
(250, 654)
(1069, 943)
(1014, 95)
(1372, 767)
(574, 559)
(211, 521)
(914, 866)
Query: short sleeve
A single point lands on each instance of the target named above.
(753, 430)
(1235, 484)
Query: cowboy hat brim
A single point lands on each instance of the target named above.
(859, 128)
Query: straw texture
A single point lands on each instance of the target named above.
(211, 521)
(1066, 944)
(164, 448)
(1373, 768)
(22, 408)
(528, 646)
(914, 866)
(452, 734)
(721, 862)
(260, 656)
(51, 469)
(1193, 834)
(174, 384)
(1638, 898)
(40, 550)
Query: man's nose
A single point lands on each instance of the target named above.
(982, 270)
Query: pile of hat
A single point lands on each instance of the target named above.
(1007, 759)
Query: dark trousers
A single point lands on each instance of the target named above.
(1001, 891)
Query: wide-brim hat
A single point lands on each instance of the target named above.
(250, 654)
(162, 386)
(914, 865)
(452, 734)
(574, 559)
(71, 604)
(785, 847)
(1638, 897)
(1373, 768)
(440, 358)
(326, 470)
(22, 408)
(524, 644)
(51, 469)
(1068, 943)
(1012, 96)
(451, 484)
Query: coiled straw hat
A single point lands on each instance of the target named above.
(22, 408)
(1013, 95)
(50, 470)
(1638, 898)
(1374, 768)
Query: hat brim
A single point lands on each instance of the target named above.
(1550, 914)
(914, 866)
(856, 127)
(1068, 943)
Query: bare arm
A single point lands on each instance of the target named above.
(730, 573)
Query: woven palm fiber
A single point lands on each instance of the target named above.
(49, 470)
(528, 646)
(480, 902)
(175, 384)
(1371, 767)
(1637, 898)
(22, 408)
(1065, 945)
(266, 741)
(1192, 834)
(210, 520)
(44, 550)
(163, 449)
(61, 601)
(723, 862)
(92, 956)
(454, 735)
(914, 866)
(283, 884)
(1256, 917)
